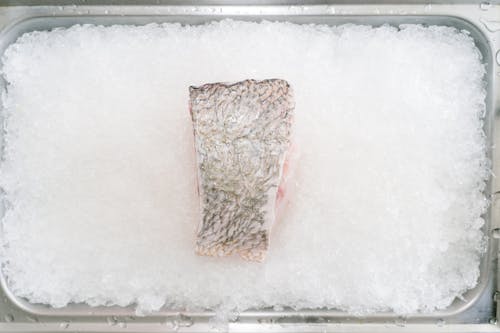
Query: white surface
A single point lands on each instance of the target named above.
(99, 166)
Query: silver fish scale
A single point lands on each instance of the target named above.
(242, 134)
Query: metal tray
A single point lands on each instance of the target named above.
(476, 312)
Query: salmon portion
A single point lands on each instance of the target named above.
(242, 135)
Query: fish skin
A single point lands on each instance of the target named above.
(242, 135)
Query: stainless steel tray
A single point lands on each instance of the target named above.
(475, 313)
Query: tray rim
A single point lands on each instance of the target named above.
(40, 310)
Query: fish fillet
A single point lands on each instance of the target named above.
(242, 135)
